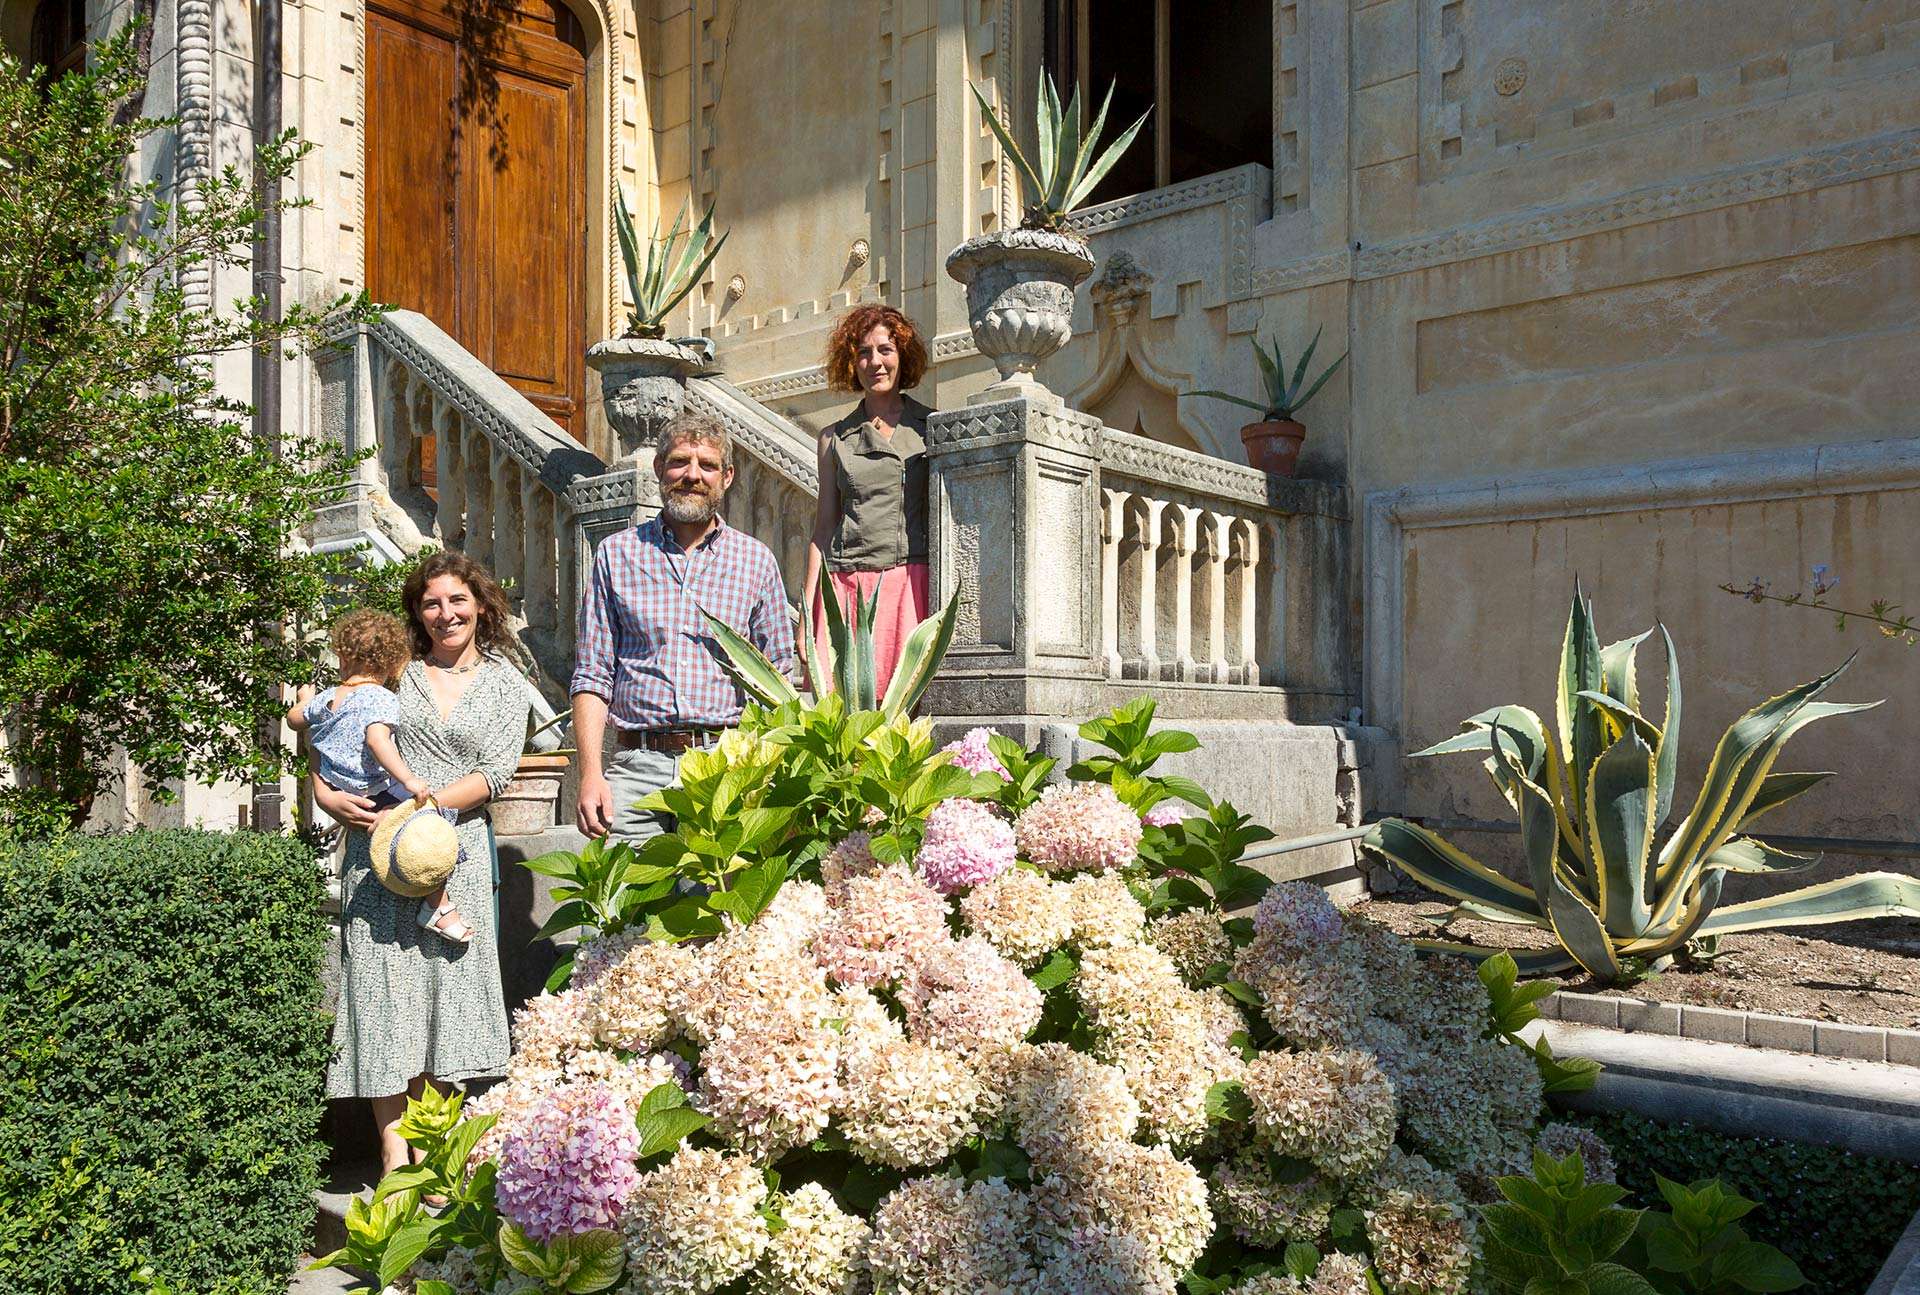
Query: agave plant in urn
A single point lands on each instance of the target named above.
(1020, 282)
(643, 375)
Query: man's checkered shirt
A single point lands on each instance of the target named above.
(643, 644)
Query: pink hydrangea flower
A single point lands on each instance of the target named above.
(965, 844)
(567, 1167)
(973, 754)
(881, 929)
(1079, 827)
(1167, 813)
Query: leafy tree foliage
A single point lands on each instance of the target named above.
(152, 595)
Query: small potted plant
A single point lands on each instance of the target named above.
(643, 375)
(1020, 282)
(526, 805)
(1273, 443)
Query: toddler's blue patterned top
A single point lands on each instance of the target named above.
(339, 737)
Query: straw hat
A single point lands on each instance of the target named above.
(414, 848)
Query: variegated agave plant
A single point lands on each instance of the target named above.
(849, 669)
(1064, 172)
(1592, 795)
(660, 276)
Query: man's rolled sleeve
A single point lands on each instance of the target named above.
(594, 662)
(771, 628)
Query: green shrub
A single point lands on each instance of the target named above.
(161, 1057)
(1836, 1214)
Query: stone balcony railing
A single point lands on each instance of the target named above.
(1093, 564)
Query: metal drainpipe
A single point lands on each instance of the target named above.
(267, 810)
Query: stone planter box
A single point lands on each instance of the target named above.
(526, 804)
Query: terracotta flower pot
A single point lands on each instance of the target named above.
(1273, 446)
(526, 804)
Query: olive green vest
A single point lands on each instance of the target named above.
(883, 491)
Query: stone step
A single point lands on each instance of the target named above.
(1868, 1107)
(344, 1180)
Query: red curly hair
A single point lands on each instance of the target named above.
(844, 346)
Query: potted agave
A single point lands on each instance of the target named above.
(1020, 282)
(1273, 443)
(643, 375)
(527, 804)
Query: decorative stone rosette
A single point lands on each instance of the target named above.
(643, 383)
(1020, 293)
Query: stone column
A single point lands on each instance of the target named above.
(1016, 530)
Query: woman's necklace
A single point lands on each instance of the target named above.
(454, 669)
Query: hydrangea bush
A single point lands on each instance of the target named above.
(1011, 1038)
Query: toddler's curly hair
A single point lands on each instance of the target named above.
(371, 643)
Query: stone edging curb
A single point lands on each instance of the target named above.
(1722, 1025)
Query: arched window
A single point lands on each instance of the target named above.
(1205, 67)
(59, 40)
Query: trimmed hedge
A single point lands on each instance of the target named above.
(161, 1054)
(1835, 1213)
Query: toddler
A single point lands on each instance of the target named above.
(350, 727)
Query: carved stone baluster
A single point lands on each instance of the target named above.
(509, 523)
(1218, 526)
(1186, 526)
(477, 462)
(797, 506)
(1113, 520)
(566, 569)
(1147, 606)
(739, 510)
(1247, 666)
(1272, 579)
(448, 519)
(536, 562)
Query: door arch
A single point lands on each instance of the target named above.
(476, 166)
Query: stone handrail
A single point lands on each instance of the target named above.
(1091, 562)
(1196, 559)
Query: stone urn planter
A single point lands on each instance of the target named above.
(643, 383)
(1020, 293)
(526, 805)
(1274, 445)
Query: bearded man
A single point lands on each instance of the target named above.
(645, 656)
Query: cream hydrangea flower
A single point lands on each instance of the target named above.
(694, 1224)
(1333, 1108)
(1104, 912)
(1079, 827)
(907, 1103)
(1194, 939)
(771, 1084)
(939, 1236)
(850, 857)
(966, 998)
(821, 1251)
(1061, 1102)
(887, 923)
(1025, 914)
(1101, 1261)
(1144, 1192)
(1264, 1211)
(630, 983)
(1423, 1233)
(1561, 1140)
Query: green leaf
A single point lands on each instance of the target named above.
(404, 1247)
(662, 1131)
(432, 1286)
(569, 915)
(523, 1252)
(747, 665)
(1434, 863)
(1848, 899)
(1614, 1279)
(564, 864)
(1058, 969)
(562, 973)
(1620, 823)
(599, 1258)
(405, 1178)
(1756, 1266)
(1228, 1103)
(662, 1097)
(1036, 188)
(1301, 1260)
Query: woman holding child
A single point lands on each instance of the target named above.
(420, 993)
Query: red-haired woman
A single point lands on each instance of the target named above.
(870, 531)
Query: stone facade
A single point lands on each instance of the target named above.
(1629, 288)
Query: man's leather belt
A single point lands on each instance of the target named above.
(667, 741)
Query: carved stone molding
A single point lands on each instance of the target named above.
(1859, 160)
(801, 382)
(980, 426)
(627, 488)
(1139, 459)
(775, 442)
(1242, 181)
(1304, 272)
(193, 98)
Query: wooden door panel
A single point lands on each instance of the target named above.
(411, 168)
(476, 150)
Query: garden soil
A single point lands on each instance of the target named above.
(1861, 973)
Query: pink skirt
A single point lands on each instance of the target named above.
(901, 606)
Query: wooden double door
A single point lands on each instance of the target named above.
(476, 184)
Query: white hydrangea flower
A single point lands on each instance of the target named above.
(694, 1224)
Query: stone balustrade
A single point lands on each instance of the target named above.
(1093, 564)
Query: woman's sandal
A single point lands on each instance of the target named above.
(430, 919)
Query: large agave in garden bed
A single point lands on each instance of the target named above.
(940, 1027)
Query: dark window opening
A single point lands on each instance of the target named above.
(59, 40)
(1205, 67)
